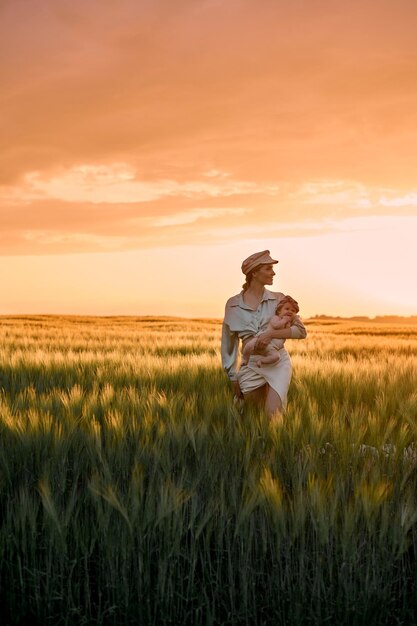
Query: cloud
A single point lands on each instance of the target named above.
(91, 208)
(355, 196)
(138, 123)
(52, 238)
(338, 192)
(117, 183)
(191, 217)
(409, 200)
(265, 91)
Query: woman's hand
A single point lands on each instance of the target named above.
(262, 341)
(265, 338)
(237, 392)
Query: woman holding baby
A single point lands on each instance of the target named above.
(261, 320)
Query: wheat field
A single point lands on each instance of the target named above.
(133, 490)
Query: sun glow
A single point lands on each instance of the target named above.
(245, 128)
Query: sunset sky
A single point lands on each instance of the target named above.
(149, 146)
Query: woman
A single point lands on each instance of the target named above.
(246, 315)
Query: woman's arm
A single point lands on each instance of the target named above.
(229, 353)
(297, 330)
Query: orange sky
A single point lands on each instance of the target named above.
(147, 147)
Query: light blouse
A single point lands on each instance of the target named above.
(241, 322)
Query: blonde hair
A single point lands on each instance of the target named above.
(249, 277)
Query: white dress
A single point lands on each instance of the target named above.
(277, 375)
(241, 322)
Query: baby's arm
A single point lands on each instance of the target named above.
(277, 322)
(283, 330)
(248, 349)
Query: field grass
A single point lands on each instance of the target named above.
(133, 491)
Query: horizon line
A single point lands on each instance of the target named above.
(315, 317)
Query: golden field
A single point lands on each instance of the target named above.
(133, 491)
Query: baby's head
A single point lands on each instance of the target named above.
(287, 306)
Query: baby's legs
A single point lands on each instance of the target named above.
(248, 350)
(272, 356)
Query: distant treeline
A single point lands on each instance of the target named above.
(391, 319)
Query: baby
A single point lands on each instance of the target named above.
(284, 315)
